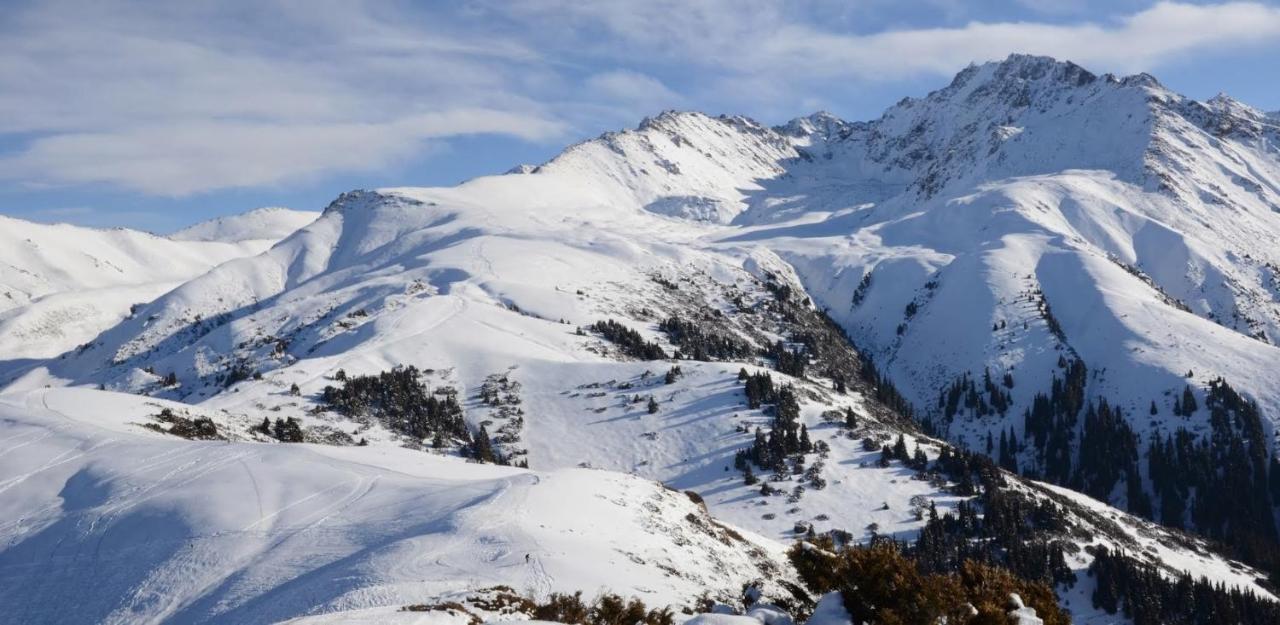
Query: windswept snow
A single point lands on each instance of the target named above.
(148, 528)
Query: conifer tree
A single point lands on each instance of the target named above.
(1189, 406)
(482, 447)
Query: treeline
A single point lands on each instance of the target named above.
(1143, 594)
(1049, 425)
(1006, 530)
(1226, 486)
(1223, 485)
(999, 526)
(884, 391)
(1085, 445)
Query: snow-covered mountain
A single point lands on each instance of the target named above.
(270, 223)
(1030, 220)
(61, 285)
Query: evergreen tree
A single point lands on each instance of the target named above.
(673, 374)
(288, 430)
(482, 448)
(1189, 406)
(900, 449)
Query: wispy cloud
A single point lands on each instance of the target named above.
(169, 99)
(753, 37)
(181, 98)
(1144, 40)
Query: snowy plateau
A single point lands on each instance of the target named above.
(657, 363)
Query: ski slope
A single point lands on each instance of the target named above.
(148, 528)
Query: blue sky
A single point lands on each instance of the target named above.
(157, 115)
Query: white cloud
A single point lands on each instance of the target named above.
(181, 98)
(630, 86)
(624, 96)
(1141, 41)
(173, 100)
(757, 38)
(194, 156)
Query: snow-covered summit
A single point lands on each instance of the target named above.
(270, 223)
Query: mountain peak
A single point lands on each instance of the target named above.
(821, 123)
(353, 199)
(266, 223)
(1023, 68)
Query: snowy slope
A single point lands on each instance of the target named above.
(1146, 220)
(61, 285)
(149, 528)
(459, 322)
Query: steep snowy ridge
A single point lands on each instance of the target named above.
(680, 164)
(1024, 116)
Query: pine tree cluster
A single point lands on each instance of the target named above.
(782, 449)
(1227, 486)
(884, 390)
(703, 342)
(401, 402)
(1147, 597)
(501, 393)
(786, 440)
(789, 361)
(1050, 423)
(758, 387)
(629, 341)
(964, 393)
(1224, 486)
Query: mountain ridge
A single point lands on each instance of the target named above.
(980, 242)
